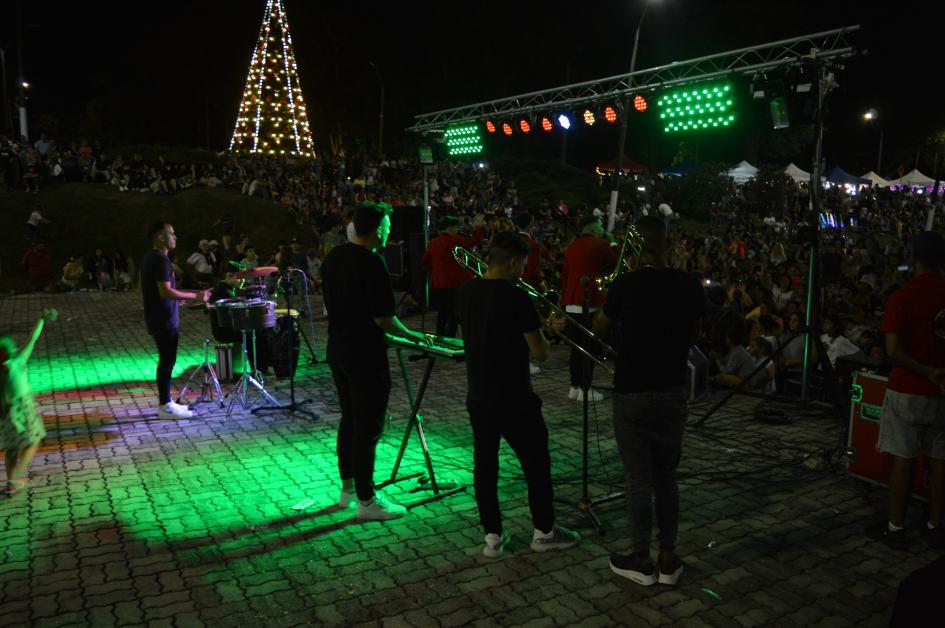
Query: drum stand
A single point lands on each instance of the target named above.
(210, 380)
(293, 406)
(249, 377)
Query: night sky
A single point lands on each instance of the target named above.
(173, 72)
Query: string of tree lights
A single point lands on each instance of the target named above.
(272, 119)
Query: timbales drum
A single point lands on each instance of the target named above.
(240, 315)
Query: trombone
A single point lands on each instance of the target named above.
(632, 240)
(469, 261)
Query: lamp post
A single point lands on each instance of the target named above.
(872, 116)
(380, 131)
(624, 127)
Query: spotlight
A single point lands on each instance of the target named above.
(524, 126)
(639, 103)
(546, 124)
(490, 126)
(610, 114)
(589, 118)
(564, 121)
(507, 128)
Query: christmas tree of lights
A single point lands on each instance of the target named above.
(272, 119)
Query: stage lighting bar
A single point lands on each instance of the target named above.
(702, 107)
(463, 139)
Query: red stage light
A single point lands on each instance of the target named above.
(610, 114)
(507, 128)
(525, 126)
(490, 127)
(546, 124)
(639, 103)
(589, 118)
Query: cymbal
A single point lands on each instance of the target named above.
(262, 271)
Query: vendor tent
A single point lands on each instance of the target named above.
(914, 178)
(798, 175)
(743, 172)
(876, 179)
(839, 176)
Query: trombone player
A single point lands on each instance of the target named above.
(501, 329)
(658, 313)
(584, 261)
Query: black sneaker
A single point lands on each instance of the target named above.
(633, 568)
(934, 537)
(881, 532)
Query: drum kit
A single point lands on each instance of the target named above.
(243, 317)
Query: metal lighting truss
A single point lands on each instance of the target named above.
(833, 44)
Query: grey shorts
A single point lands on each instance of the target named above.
(912, 423)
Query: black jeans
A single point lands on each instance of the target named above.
(523, 427)
(649, 427)
(166, 342)
(444, 300)
(363, 385)
(576, 363)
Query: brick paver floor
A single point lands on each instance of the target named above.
(132, 520)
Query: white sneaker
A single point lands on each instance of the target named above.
(180, 406)
(574, 392)
(380, 509)
(592, 395)
(347, 498)
(495, 543)
(171, 410)
(559, 538)
(533, 368)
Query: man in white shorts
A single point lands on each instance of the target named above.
(913, 417)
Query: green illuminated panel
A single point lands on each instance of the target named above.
(694, 108)
(463, 139)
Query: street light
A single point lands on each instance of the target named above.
(873, 116)
(380, 131)
(624, 125)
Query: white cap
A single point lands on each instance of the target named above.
(202, 242)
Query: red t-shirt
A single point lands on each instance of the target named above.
(916, 313)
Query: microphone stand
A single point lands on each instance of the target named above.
(293, 405)
(585, 504)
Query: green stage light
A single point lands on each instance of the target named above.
(697, 108)
(463, 139)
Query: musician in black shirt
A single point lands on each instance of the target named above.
(658, 312)
(360, 304)
(501, 329)
(161, 301)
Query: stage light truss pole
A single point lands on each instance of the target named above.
(833, 44)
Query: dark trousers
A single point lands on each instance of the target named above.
(444, 300)
(166, 342)
(576, 363)
(363, 389)
(649, 427)
(523, 427)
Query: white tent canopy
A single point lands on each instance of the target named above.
(743, 172)
(797, 174)
(913, 178)
(876, 179)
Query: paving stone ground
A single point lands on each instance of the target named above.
(131, 520)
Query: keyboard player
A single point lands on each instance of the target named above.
(360, 304)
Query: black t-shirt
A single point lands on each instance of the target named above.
(656, 311)
(494, 315)
(159, 314)
(357, 290)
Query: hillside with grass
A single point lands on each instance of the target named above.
(87, 216)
